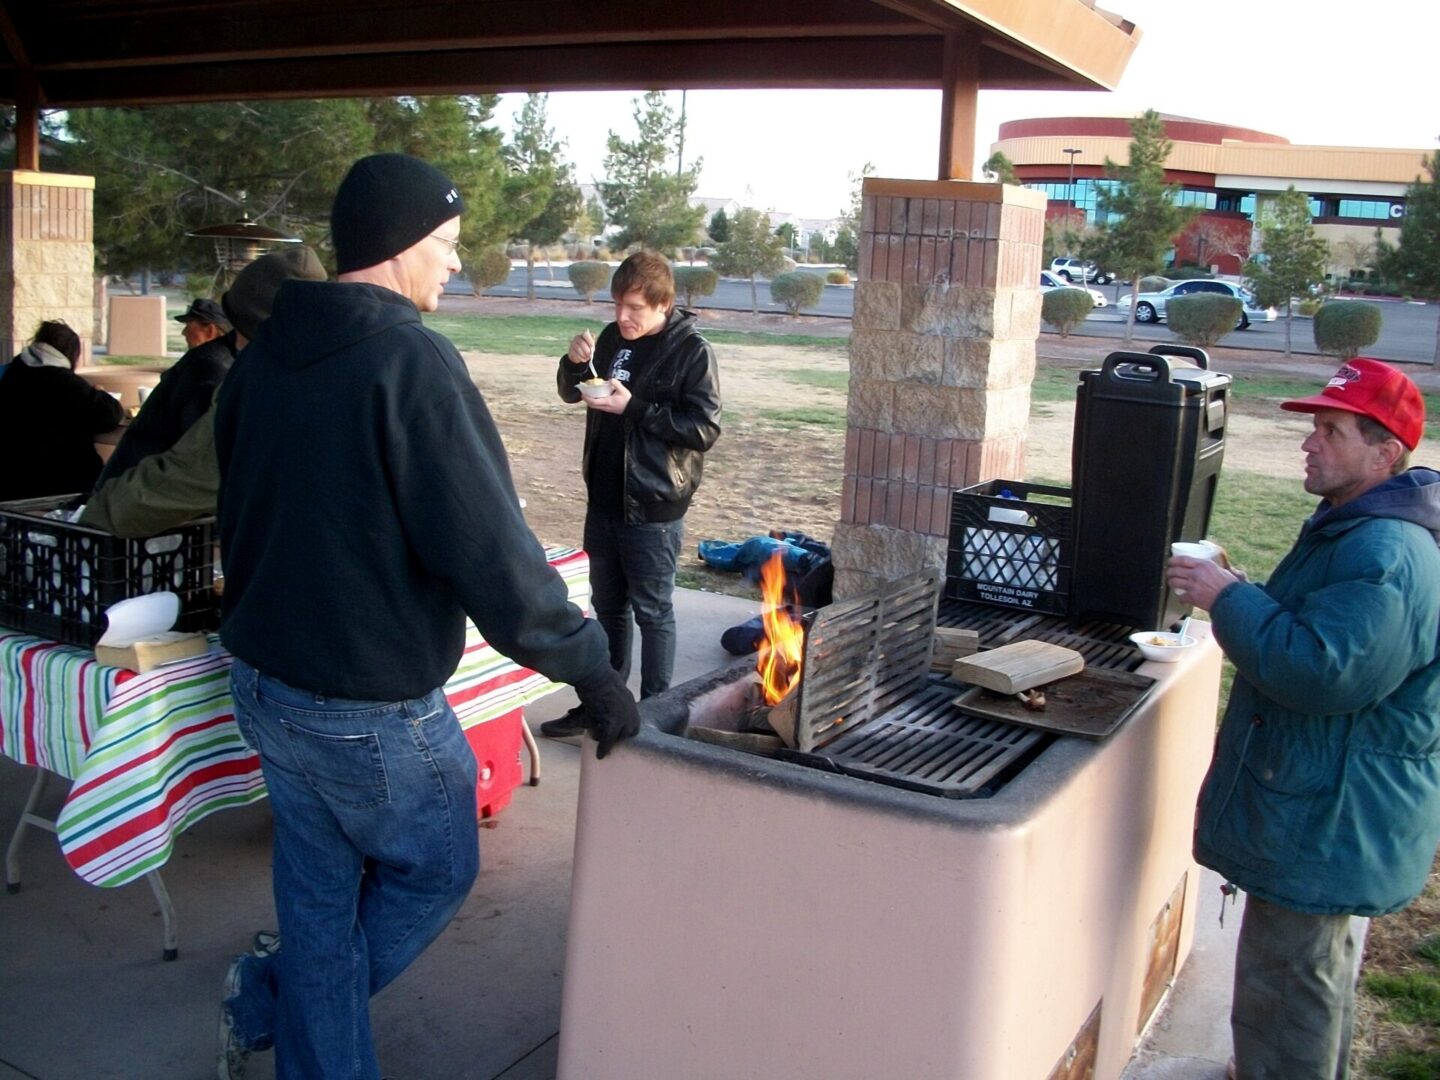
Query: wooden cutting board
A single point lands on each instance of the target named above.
(1018, 666)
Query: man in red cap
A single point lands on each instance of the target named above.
(1323, 798)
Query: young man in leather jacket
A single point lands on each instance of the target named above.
(645, 444)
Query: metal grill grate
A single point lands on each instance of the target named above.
(863, 656)
(866, 691)
(925, 744)
(1104, 645)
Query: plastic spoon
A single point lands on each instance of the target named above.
(1184, 626)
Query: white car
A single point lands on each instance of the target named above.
(1150, 307)
(1050, 281)
(1082, 270)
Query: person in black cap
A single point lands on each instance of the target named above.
(178, 485)
(204, 320)
(185, 390)
(366, 507)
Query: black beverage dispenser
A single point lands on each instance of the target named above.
(1149, 440)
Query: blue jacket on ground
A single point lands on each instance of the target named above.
(1324, 792)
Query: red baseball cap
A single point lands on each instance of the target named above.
(1374, 389)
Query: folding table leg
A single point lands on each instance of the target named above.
(28, 817)
(170, 949)
(532, 749)
(171, 946)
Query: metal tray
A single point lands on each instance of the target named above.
(1091, 704)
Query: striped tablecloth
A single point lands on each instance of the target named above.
(152, 754)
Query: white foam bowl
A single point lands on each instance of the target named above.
(596, 390)
(1163, 646)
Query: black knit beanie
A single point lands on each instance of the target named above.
(387, 203)
(249, 299)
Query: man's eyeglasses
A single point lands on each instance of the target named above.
(455, 245)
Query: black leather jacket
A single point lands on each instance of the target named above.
(672, 419)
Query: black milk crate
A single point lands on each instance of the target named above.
(57, 578)
(1013, 552)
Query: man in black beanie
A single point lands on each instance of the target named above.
(366, 508)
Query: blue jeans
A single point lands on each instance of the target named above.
(376, 847)
(632, 567)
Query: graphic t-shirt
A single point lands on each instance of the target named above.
(606, 480)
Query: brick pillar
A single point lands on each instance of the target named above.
(47, 256)
(942, 355)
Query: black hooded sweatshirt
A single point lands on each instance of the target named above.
(366, 507)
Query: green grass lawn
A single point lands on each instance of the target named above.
(549, 335)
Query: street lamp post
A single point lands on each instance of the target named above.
(1070, 152)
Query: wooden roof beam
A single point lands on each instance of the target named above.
(882, 63)
(431, 27)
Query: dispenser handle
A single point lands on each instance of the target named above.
(1136, 367)
(1186, 352)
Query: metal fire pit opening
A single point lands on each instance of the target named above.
(867, 707)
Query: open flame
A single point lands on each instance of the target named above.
(781, 649)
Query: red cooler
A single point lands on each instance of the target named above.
(496, 744)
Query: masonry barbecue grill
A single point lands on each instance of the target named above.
(1003, 903)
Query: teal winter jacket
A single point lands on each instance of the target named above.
(1324, 792)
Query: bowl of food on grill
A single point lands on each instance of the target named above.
(1163, 645)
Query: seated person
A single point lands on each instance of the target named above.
(181, 484)
(49, 417)
(185, 389)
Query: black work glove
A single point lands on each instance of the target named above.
(609, 709)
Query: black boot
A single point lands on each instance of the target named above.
(574, 722)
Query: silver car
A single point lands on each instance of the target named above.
(1150, 307)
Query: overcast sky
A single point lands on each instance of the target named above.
(1326, 72)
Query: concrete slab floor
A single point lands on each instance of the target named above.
(86, 995)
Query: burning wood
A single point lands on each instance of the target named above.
(783, 645)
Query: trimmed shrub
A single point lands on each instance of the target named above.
(838, 277)
(1066, 309)
(1344, 327)
(1309, 307)
(589, 277)
(693, 281)
(491, 267)
(1154, 283)
(1188, 273)
(796, 289)
(1203, 318)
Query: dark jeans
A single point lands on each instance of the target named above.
(376, 846)
(632, 568)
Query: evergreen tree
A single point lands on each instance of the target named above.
(645, 196)
(752, 249)
(1416, 261)
(998, 166)
(719, 226)
(456, 136)
(846, 248)
(162, 171)
(540, 194)
(1141, 217)
(1291, 257)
